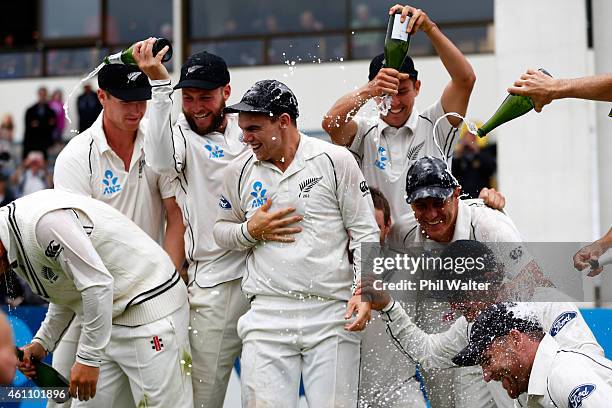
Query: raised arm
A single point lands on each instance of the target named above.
(339, 123)
(457, 93)
(164, 144)
(429, 350)
(543, 89)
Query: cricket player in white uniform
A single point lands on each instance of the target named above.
(388, 377)
(194, 153)
(511, 347)
(106, 162)
(300, 289)
(434, 197)
(550, 308)
(88, 259)
(387, 145)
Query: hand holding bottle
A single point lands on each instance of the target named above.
(537, 85)
(419, 20)
(148, 63)
(26, 365)
(386, 82)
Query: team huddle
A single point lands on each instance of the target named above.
(167, 250)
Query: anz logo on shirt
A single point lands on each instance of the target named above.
(381, 158)
(258, 194)
(111, 186)
(214, 151)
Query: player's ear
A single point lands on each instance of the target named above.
(227, 91)
(285, 120)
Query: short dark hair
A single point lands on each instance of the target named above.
(381, 203)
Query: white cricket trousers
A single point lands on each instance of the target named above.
(146, 365)
(215, 345)
(285, 338)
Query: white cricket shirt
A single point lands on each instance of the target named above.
(568, 378)
(88, 166)
(324, 184)
(386, 153)
(196, 164)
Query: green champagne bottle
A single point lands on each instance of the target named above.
(48, 377)
(511, 108)
(126, 56)
(396, 41)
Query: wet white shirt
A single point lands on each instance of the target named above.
(561, 319)
(568, 378)
(88, 166)
(196, 165)
(324, 184)
(476, 221)
(386, 153)
(93, 282)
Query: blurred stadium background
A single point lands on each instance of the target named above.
(553, 167)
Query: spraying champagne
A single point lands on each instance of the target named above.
(126, 56)
(511, 108)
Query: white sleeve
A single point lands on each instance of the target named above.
(230, 230)
(446, 135)
(357, 209)
(80, 262)
(364, 126)
(57, 320)
(166, 187)
(429, 350)
(164, 144)
(72, 173)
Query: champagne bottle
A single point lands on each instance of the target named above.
(396, 41)
(126, 56)
(511, 108)
(47, 377)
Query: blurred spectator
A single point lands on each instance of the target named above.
(57, 104)
(474, 164)
(7, 128)
(230, 27)
(363, 19)
(7, 147)
(39, 125)
(271, 24)
(32, 175)
(366, 45)
(6, 192)
(308, 22)
(89, 107)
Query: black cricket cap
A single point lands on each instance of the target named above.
(204, 71)
(125, 82)
(429, 177)
(496, 321)
(378, 62)
(268, 96)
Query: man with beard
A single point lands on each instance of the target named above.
(511, 347)
(194, 152)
